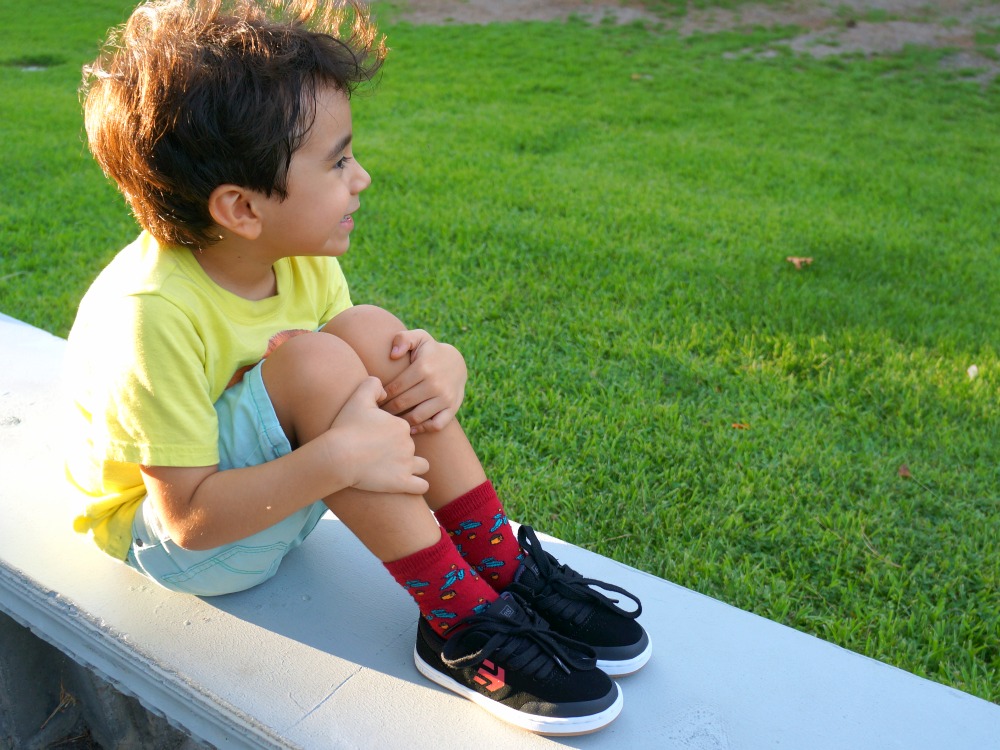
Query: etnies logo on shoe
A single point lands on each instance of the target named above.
(490, 676)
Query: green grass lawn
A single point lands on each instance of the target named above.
(599, 217)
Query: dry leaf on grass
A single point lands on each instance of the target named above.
(799, 263)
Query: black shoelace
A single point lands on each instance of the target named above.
(525, 644)
(566, 592)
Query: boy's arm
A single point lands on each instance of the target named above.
(203, 507)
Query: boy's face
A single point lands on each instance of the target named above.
(324, 181)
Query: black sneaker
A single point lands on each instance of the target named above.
(508, 661)
(571, 606)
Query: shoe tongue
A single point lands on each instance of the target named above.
(506, 607)
(528, 573)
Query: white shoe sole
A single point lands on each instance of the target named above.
(558, 726)
(623, 668)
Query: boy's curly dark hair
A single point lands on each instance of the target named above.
(188, 95)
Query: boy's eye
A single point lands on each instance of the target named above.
(342, 162)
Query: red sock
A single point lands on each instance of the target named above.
(442, 584)
(478, 526)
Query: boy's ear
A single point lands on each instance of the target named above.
(234, 209)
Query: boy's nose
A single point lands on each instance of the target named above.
(362, 179)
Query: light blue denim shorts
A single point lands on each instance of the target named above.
(249, 434)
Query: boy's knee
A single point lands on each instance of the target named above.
(313, 360)
(369, 331)
(308, 379)
(366, 322)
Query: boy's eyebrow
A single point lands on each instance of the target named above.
(340, 146)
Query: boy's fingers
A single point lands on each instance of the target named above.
(370, 389)
(439, 420)
(413, 484)
(406, 341)
(406, 400)
(435, 423)
(400, 346)
(402, 383)
(421, 413)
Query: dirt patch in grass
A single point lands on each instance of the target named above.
(494, 11)
(970, 29)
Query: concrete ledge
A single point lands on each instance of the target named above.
(47, 700)
(320, 656)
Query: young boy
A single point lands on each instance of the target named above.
(227, 392)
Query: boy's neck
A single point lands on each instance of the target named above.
(238, 269)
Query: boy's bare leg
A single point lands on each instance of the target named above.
(309, 379)
(454, 466)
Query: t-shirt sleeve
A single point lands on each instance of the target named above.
(338, 293)
(158, 408)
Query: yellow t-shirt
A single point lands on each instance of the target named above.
(154, 345)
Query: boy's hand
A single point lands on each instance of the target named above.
(380, 450)
(430, 391)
